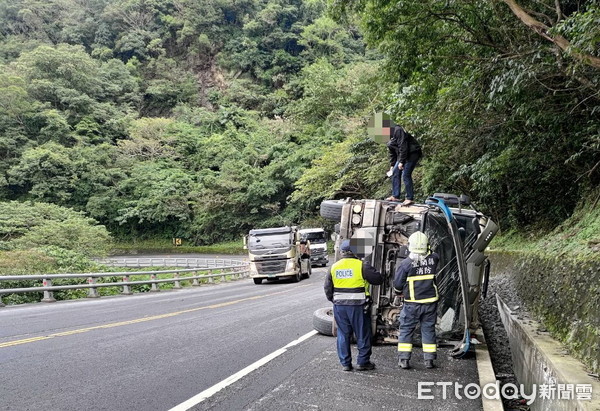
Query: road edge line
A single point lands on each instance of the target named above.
(209, 392)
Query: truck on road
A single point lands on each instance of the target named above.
(275, 253)
(457, 232)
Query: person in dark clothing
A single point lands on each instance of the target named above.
(404, 154)
(415, 279)
(347, 286)
(304, 248)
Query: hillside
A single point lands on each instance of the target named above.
(200, 120)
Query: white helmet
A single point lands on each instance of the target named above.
(418, 243)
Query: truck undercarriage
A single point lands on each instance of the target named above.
(380, 231)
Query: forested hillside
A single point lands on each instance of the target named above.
(202, 119)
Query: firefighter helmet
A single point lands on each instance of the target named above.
(418, 243)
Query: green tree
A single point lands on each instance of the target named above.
(37, 225)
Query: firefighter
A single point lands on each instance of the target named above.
(415, 279)
(347, 286)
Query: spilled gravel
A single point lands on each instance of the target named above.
(495, 334)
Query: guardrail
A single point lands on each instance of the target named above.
(169, 262)
(238, 269)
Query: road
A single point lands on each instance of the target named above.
(152, 364)
(157, 351)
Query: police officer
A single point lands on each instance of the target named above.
(347, 286)
(415, 278)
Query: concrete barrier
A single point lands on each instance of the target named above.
(540, 361)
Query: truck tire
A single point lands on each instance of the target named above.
(323, 321)
(332, 209)
(308, 271)
(257, 280)
(297, 277)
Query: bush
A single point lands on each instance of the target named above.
(36, 225)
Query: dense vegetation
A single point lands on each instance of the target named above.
(201, 119)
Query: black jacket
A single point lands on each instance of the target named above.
(403, 147)
(369, 273)
(424, 290)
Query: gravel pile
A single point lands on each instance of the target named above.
(495, 334)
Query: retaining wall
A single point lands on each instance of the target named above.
(564, 294)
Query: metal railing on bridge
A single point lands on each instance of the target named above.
(213, 269)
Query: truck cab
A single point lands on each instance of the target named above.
(274, 253)
(317, 239)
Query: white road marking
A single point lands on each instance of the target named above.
(209, 392)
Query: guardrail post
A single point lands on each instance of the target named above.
(48, 295)
(154, 283)
(195, 282)
(223, 276)
(93, 291)
(210, 279)
(1, 303)
(126, 286)
(177, 282)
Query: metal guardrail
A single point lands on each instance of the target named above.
(237, 269)
(169, 262)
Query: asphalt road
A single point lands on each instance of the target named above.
(157, 351)
(147, 351)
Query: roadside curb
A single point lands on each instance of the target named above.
(485, 369)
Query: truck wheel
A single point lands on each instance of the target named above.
(332, 209)
(296, 278)
(308, 272)
(323, 321)
(257, 280)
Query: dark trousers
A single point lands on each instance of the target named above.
(349, 319)
(406, 172)
(412, 314)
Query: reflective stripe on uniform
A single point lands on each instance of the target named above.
(420, 277)
(349, 290)
(425, 300)
(429, 347)
(405, 347)
(411, 286)
(349, 296)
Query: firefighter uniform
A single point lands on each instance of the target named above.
(416, 278)
(347, 287)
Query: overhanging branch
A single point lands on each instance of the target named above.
(557, 39)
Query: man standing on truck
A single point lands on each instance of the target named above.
(415, 278)
(404, 153)
(347, 287)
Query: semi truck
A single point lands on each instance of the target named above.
(275, 253)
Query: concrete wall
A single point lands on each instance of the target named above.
(539, 360)
(564, 294)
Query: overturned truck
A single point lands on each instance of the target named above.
(456, 231)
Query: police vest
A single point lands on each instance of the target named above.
(349, 286)
(420, 284)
